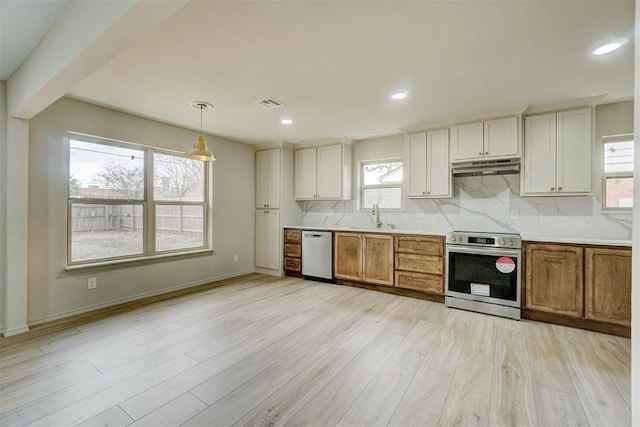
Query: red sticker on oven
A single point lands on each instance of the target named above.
(505, 264)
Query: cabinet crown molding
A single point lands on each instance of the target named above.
(323, 142)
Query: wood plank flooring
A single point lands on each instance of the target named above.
(284, 351)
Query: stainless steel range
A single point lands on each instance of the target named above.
(483, 272)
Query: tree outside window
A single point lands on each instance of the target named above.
(381, 184)
(127, 201)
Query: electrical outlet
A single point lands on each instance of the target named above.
(235, 258)
(419, 213)
(515, 214)
(92, 283)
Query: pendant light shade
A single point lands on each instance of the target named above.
(200, 150)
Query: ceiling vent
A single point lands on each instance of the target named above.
(270, 103)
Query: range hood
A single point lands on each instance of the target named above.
(486, 167)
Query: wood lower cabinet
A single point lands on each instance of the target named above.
(608, 285)
(292, 252)
(348, 256)
(579, 285)
(554, 279)
(419, 282)
(419, 263)
(377, 259)
(363, 257)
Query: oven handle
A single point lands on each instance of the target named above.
(516, 253)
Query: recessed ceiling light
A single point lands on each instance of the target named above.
(286, 121)
(399, 95)
(610, 47)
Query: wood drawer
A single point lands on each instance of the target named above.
(292, 235)
(292, 264)
(292, 250)
(422, 245)
(420, 282)
(429, 264)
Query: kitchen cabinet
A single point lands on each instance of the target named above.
(275, 206)
(582, 286)
(608, 285)
(268, 239)
(268, 179)
(323, 173)
(429, 175)
(491, 139)
(293, 252)
(554, 279)
(364, 257)
(557, 154)
(419, 263)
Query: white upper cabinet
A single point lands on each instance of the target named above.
(305, 175)
(557, 154)
(323, 173)
(467, 142)
(438, 168)
(539, 173)
(268, 178)
(491, 139)
(429, 168)
(417, 155)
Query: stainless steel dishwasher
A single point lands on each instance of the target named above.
(317, 254)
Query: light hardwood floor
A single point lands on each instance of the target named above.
(275, 351)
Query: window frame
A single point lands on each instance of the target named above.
(606, 175)
(363, 187)
(148, 204)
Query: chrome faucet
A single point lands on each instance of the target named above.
(376, 212)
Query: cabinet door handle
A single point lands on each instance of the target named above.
(552, 188)
(559, 188)
(486, 152)
(480, 153)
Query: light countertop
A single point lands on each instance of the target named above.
(578, 240)
(385, 230)
(573, 240)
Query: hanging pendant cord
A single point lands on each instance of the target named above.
(201, 108)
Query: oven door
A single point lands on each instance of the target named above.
(484, 274)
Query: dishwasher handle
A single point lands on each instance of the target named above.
(317, 235)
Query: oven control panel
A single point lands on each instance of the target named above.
(496, 240)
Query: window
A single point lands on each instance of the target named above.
(381, 184)
(618, 172)
(127, 201)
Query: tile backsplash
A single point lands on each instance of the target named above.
(489, 203)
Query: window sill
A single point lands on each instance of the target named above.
(135, 262)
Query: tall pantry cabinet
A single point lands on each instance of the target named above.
(275, 206)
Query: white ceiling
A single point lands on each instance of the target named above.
(335, 64)
(23, 23)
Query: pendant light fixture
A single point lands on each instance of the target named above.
(200, 150)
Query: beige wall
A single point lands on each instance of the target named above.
(386, 147)
(52, 293)
(611, 119)
(3, 224)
